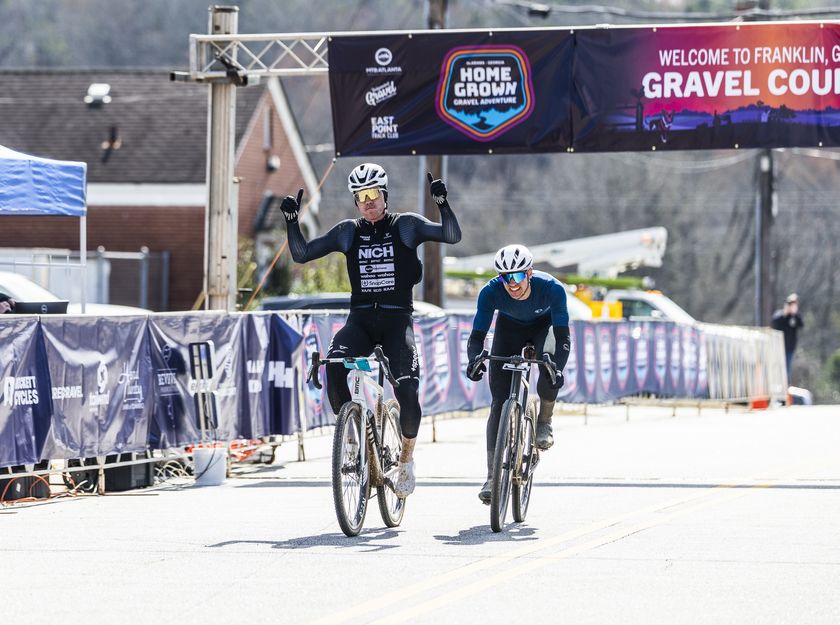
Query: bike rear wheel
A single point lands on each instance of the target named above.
(503, 461)
(528, 458)
(391, 507)
(350, 471)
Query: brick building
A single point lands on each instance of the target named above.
(144, 140)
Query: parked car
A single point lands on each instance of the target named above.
(32, 298)
(648, 305)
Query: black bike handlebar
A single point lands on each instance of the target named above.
(316, 362)
(517, 359)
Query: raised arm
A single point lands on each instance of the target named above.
(338, 239)
(416, 229)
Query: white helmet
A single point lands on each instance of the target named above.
(365, 176)
(513, 258)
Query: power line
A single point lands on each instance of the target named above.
(751, 14)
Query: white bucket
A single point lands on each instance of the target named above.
(210, 465)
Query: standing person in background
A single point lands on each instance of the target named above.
(7, 304)
(788, 321)
(383, 267)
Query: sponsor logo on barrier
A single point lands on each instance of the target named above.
(605, 361)
(167, 378)
(468, 386)
(60, 393)
(660, 354)
(280, 375)
(255, 368)
(102, 396)
(20, 391)
(484, 91)
(384, 127)
(689, 339)
(622, 356)
(675, 361)
(227, 388)
(383, 58)
(702, 379)
(439, 363)
(589, 364)
(640, 357)
(132, 390)
(380, 93)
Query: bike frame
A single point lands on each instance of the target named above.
(357, 381)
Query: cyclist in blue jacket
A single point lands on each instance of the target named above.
(529, 304)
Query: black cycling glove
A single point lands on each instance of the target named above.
(437, 189)
(558, 374)
(291, 207)
(475, 373)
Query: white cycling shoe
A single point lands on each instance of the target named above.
(405, 479)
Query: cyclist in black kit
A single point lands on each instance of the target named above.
(382, 263)
(529, 303)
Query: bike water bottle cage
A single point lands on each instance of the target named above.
(515, 276)
(367, 194)
(362, 364)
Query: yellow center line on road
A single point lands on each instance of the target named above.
(718, 497)
(400, 595)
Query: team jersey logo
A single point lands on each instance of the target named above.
(484, 91)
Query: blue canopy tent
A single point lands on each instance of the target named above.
(31, 185)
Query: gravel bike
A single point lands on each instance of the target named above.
(516, 455)
(366, 444)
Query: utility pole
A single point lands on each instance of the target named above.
(432, 264)
(220, 221)
(764, 214)
(765, 205)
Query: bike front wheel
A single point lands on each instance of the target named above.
(350, 472)
(391, 507)
(528, 458)
(503, 461)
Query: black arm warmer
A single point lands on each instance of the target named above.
(562, 343)
(475, 344)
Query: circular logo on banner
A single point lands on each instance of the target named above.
(484, 91)
(383, 56)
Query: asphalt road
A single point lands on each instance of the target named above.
(717, 518)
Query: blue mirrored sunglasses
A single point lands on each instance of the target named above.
(516, 276)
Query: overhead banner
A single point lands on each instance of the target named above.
(713, 86)
(457, 93)
(601, 89)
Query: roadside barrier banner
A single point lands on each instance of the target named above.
(176, 420)
(101, 385)
(25, 401)
(608, 361)
(77, 387)
(283, 377)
